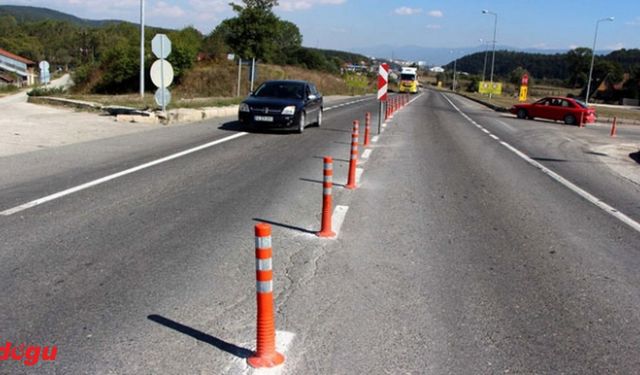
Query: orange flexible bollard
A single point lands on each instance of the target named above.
(367, 128)
(265, 354)
(613, 128)
(327, 200)
(351, 181)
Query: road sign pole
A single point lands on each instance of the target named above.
(142, 49)
(253, 72)
(164, 101)
(380, 114)
(239, 72)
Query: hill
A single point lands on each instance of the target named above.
(24, 14)
(559, 66)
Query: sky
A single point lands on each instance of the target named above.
(353, 24)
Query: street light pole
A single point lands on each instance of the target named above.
(455, 62)
(486, 51)
(593, 57)
(493, 57)
(142, 49)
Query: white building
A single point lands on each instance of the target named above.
(22, 67)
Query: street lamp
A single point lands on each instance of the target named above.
(593, 56)
(142, 49)
(493, 57)
(486, 50)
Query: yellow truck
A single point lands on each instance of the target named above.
(409, 80)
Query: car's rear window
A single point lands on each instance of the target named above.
(581, 104)
(407, 77)
(288, 90)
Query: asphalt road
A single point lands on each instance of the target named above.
(456, 256)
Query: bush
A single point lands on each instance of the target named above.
(8, 88)
(47, 91)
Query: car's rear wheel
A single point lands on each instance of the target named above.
(522, 113)
(319, 119)
(301, 122)
(569, 120)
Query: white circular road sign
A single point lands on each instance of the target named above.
(163, 97)
(160, 68)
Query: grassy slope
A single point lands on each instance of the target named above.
(215, 84)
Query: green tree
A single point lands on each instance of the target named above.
(578, 62)
(186, 44)
(256, 32)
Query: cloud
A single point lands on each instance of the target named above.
(207, 10)
(164, 9)
(616, 46)
(635, 22)
(293, 5)
(434, 27)
(406, 11)
(540, 45)
(436, 13)
(573, 46)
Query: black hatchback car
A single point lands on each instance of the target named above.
(283, 104)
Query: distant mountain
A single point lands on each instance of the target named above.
(437, 56)
(34, 14)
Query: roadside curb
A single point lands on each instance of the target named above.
(76, 104)
(126, 114)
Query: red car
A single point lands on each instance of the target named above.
(569, 110)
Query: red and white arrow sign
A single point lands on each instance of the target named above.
(383, 79)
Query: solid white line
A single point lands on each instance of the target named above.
(374, 139)
(87, 185)
(576, 189)
(568, 184)
(366, 153)
(339, 214)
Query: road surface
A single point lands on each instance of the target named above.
(456, 255)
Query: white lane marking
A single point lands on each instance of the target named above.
(359, 172)
(566, 183)
(366, 153)
(87, 185)
(374, 139)
(339, 214)
(494, 137)
(345, 104)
